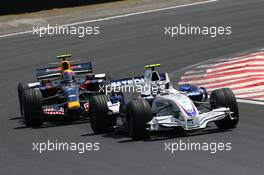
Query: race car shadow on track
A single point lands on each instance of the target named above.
(172, 135)
(112, 134)
(166, 135)
(161, 135)
(51, 123)
(16, 118)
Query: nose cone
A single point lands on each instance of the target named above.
(186, 106)
(74, 105)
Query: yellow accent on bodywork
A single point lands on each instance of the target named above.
(64, 56)
(74, 105)
(152, 66)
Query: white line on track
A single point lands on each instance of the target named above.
(252, 65)
(252, 94)
(196, 77)
(247, 101)
(115, 17)
(250, 102)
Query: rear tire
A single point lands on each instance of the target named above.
(101, 122)
(139, 114)
(225, 98)
(22, 87)
(32, 107)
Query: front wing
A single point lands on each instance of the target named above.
(198, 122)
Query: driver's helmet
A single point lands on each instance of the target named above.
(68, 76)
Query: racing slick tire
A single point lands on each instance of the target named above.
(32, 108)
(138, 115)
(225, 98)
(21, 88)
(100, 122)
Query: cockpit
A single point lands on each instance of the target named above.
(155, 76)
(152, 76)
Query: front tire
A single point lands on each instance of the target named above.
(22, 87)
(139, 114)
(100, 120)
(225, 98)
(32, 107)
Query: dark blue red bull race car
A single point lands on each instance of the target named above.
(62, 91)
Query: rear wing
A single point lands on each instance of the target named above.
(54, 72)
(138, 80)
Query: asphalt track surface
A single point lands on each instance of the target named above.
(123, 47)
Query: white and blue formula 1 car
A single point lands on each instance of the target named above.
(160, 106)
